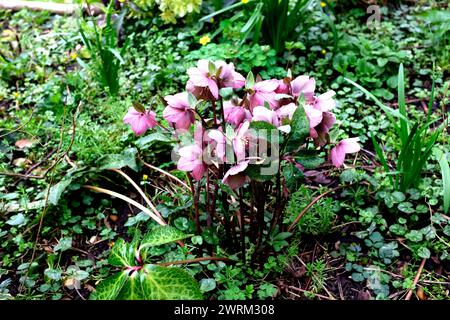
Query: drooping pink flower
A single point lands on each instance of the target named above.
(235, 177)
(287, 111)
(191, 160)
(140, 121)
(325, 101)
(178, 111)
(225, 76)
(320, 132)
(314, 115)
(338, 153)
(234, 115)
(263, 91)
(240, 140)
(303, 85)
(283, 86)
(266, 115)
(221, 142)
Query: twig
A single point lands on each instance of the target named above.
(310, 205)
(316, 294)
(167, 174)
(195, 260)
(143, 195)
(416, 279)
(129, 200)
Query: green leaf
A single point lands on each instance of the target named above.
(445, 171)
(122, 254)
(424, 253)
(207, 284)
(148, 140)
(250, 81)
(162, 235)
(414, 236)
(110, 288)
(310, 159)
(299, 130)
(57, 190)
(118, 161)
(402, 105)
(138, 107)
(17, 220)
(63, 244)
(389, 111)
(162, 283)
(53, 274)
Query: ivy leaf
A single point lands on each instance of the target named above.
(207, 284)
(110, 288)
(63, 244)
(162, 235)
(148, 140)
(162, 283)
(57, 190)
(299, 130)
(118, 161)
(17, 220)
(424, 252)
(122, 254)
(310, 159)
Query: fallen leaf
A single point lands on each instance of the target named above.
(421, 294)
(21, 162)
(93, 239)
(24, 143)
(72, 283)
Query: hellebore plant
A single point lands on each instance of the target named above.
(246, 132)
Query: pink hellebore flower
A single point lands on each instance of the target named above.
(303, 85)
(221, 143)
(283, 86)
(325, 101)
(263, 91)
(287, 111)
(191, 161)
(266, 115)
(314, 116)
(235, 176)
(338, 153)
(240, 140)
(140, 121)
(226, 77)
(178, 111)
(234, 115)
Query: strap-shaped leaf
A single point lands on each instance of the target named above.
(122, 254)
(110, 288)
(164, 283)
(162, 235)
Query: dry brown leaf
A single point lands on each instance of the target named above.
(24, 143)
(21, 162)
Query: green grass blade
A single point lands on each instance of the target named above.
(381, 156)
(445, 171)
(391, 113)
(402, 104)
